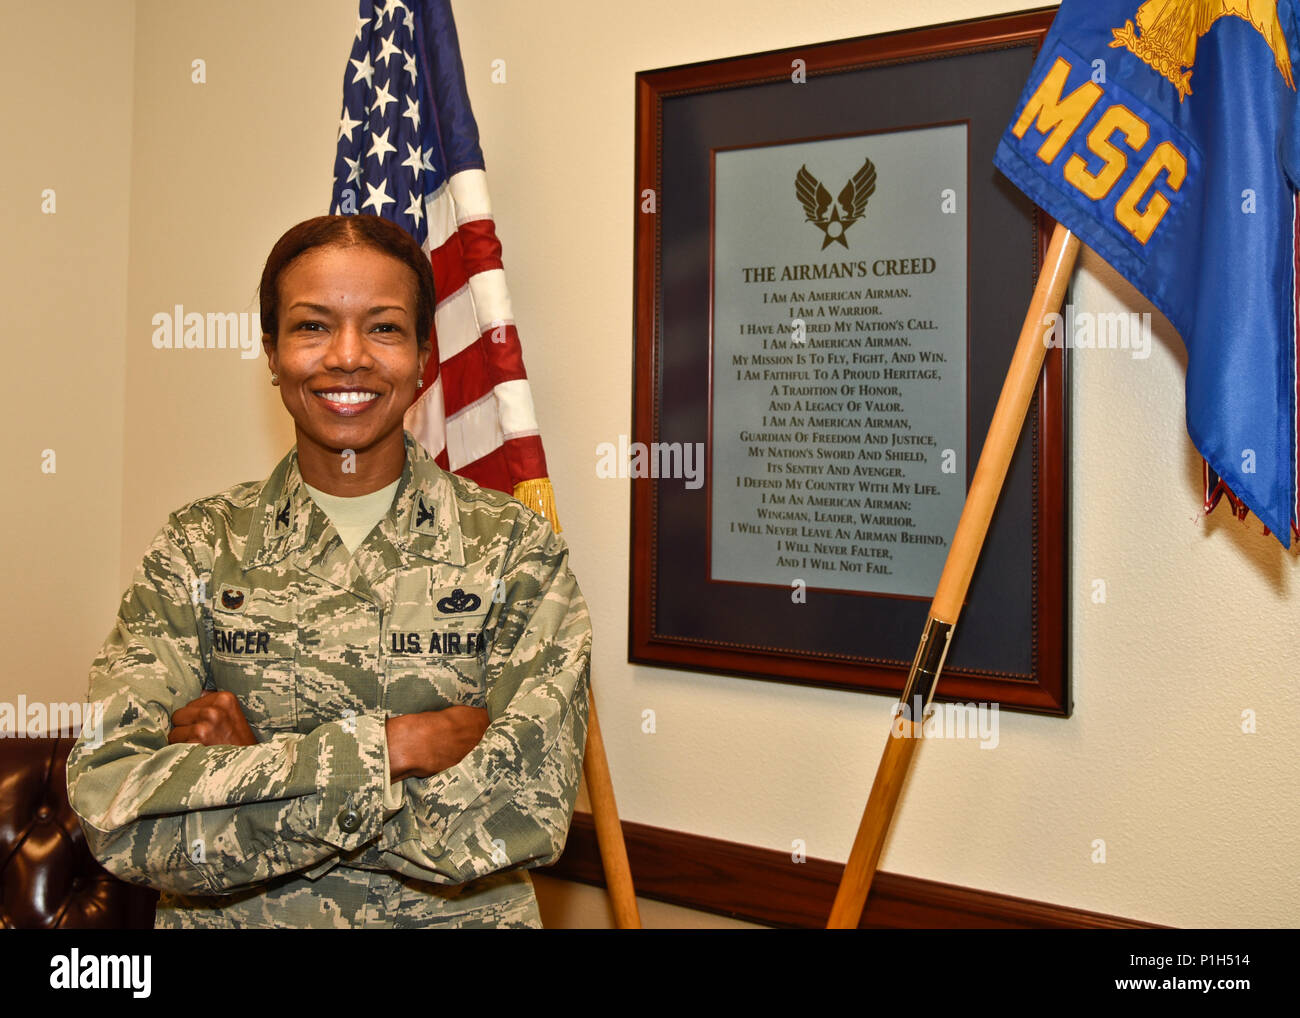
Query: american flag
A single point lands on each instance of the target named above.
(408, 151)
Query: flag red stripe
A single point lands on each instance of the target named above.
(478, 239)
(470, 374)
(472, 249)
(516, 458)
(449, 273)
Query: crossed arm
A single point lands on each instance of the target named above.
(419, 745)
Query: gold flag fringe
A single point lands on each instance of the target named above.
(538, 495)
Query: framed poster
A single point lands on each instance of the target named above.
(830, 280)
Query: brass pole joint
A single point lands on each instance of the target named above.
(926, 666)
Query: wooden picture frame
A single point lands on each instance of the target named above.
(1012, 644)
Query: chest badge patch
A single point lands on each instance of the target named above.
(232, 599)
(458, 601)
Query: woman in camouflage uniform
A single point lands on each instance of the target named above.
(353, 694)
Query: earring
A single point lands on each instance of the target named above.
(419, 383)
(275, 379)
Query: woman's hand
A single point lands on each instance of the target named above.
(421, 745)
(214, 719)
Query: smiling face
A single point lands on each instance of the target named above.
(347, 357)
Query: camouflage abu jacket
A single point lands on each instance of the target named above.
(460, 595)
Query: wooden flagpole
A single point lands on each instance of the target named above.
(999, 445)
(609, 830)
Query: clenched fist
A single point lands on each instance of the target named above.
(214, 719)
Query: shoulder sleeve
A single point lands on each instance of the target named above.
(509, 802)
(199, 819)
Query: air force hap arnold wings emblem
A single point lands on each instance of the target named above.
(850, 207)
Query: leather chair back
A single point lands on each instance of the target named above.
(48, 878)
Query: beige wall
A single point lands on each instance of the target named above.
(188, 185)
(66, 79)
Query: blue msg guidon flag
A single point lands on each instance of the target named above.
(1165, 134)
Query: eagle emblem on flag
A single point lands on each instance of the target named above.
(834, 218)
(1168, 30)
